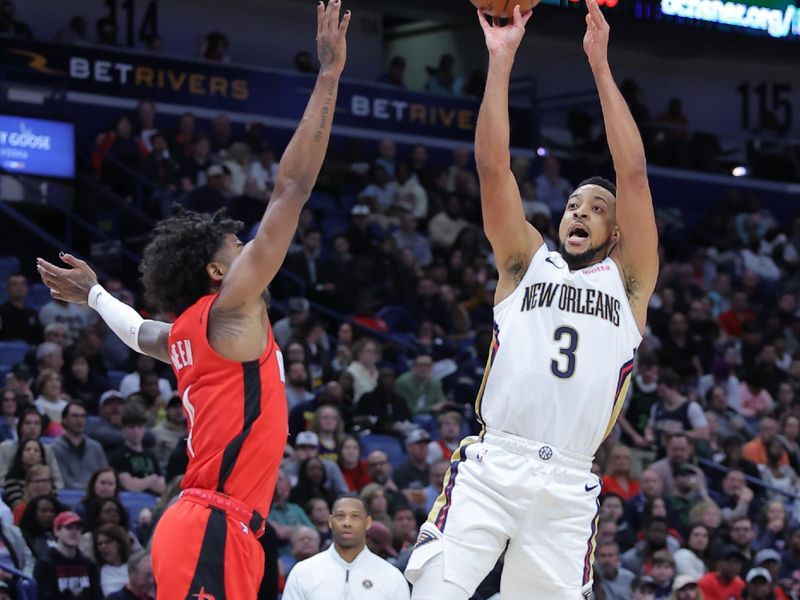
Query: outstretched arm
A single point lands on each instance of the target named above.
(513, 239)
(637, 251)
(261, 258)
(79, 285)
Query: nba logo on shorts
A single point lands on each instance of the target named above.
(545, 453)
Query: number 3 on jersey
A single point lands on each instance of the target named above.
(568, 351)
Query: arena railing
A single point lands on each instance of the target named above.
(704, 462)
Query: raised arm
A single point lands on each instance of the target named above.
(637, 251)
(513, 239)
(260, 260)
(79, 285)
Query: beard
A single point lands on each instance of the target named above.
(581, 260)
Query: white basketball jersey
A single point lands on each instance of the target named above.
(562, 355)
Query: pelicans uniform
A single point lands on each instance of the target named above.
(557, 375)
(206, 545)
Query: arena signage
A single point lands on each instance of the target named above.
(37, 147)
(104, 75)
(779, 22)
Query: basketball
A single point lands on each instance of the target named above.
(504, 8)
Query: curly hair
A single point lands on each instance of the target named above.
(174, 264)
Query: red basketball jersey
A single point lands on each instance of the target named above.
(236, 412)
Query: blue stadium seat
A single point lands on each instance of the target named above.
(25, 587)
(385, 443)
(8, 265)
(333, 225)
(12, 353)
(115, 378)
(428, 423)
(136, 502)
(323, 203)
(398, 319)
(38, 296)
(4, 371)
(70, 498)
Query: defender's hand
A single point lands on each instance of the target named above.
(595, 42)
(331, 37)
(70, 285)
(503, 41)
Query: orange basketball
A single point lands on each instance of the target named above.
(504, 8)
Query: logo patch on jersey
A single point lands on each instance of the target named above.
(245, 529)
(367, 584)
(423, 538)
(545, 453)
(557, 264)
(203, 595)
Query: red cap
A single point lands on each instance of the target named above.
(66, 518)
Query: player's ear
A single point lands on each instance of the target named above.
(615, 235)
(216, 271)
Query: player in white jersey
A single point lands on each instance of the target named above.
(567, 325)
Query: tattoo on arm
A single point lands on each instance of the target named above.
(326, 111)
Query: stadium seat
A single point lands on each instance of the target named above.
(38, 296)
(12, 353)
(25, 587)
(8, 265)
(398, 319)
(333, 225)
(385, 443)
(115, 378)
(323, 203)
(70, 498)
(136, 502)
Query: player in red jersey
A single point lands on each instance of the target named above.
(221, 347)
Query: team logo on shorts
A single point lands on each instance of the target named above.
(424, 538)
(545, 453)
(367, 584)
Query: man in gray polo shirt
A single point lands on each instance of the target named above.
(78, 456)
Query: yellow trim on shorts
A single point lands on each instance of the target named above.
(618, 404)
(482, 389)
(441, 499)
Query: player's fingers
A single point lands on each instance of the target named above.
(495, 21)
(334, 22)
(320, 16)
(482, 20)
(526, 17)
(595, 11)
(72, 261)
(50, 269)
(345, 24)
(516, 16)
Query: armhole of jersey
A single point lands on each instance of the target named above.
(535, 259)
(628, 308)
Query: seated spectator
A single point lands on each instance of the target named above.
(78, 455)
(639, 559)
(132, 382)
(9, 409)
(30, 452)
(741, 535)
(790, 559)
(688, 490)
(108, 429)
(329, 426)
(141, 585)
(618, 478)
(663, 572)
(724, 581)
(36, 524)
(386, 411)
(756, 401)
(318, 513)
(756, 449)
(616, 582)
(138, 468)
(366, 354)
(685, 587)
(29, 427)
(404, 528)
(692, 559)
(448, 438)
(307, 446)
(736, 499)
(414, 472)
(196, 163)
(651, 487)
(611, 509)
(9, 26)
(551, 188)
(170, 432)
(407, 236)
(63, 572)
(729, 422)
(435, 483)
(213, 195)
(265, 169)
(353, 467)
(443, 79)
(82, 384)
(771, 526)
(780, 477)
(395, 73)
(680, 451)
(732, 447)
(103, 484)
(444, 227)
(379, 541)
(112, 550)
(38, 482)
(297, 385)
(674, 413)
(380, 469)
(108, 511)
(18, 321)
(284, 516)
(305, 543)
(51, 400)
(423, 393)
(709, 514)
(374, 497)
(311, 483)
(19, 381)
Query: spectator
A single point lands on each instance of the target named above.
(436, 483)
(170, 432)
(19, 380)
(9, 26)
(138, 468)
(404, 527)
(311, 483)
(327, 574)
(112, 550)
(790, 559)
(724, 582)
(691, 560)
(755, 400)
(732, 319)
(106, 31)
(366, 353)
(680, 451)
(685, 588)
(386, 410)
(736, 499)
(30, 452)
(141, 585)
(756, 449)
(639, 559)
(221, 135)
(742, 536)
(103, 484)
(307, 446)
(38, 482)
(78, 455)
(290, 326)
(770, 560)
(51, 400)
(423, 393)
(633, 420)
(285, 516)
(652, 487)
(443, 79)
(374, 497)
(663, 572)
(36, 524)
(445, 226)
(449, 435)
(732, 448)
(107, 511)
(29, 427)
(353, 467)
(297, 385)
(616, 581)
(387, 156)
(305, 543)
(318, 512)
(215, 47)
(119, 154)
(780, 477)
(395, 74)
(379, 541)
(213, 195)
(414, 472)
(132, 382)
(551, 188)
(197, 162)
(108, 429)
(82, 384)
(679, 350)
(673, 414)
(329, 426)
(618, 479)
(10, 404)
(15, 550)
(407, 236)
(264, 169)
(18, 321)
